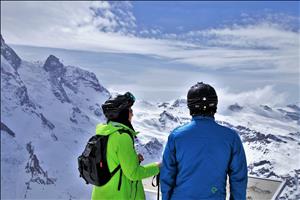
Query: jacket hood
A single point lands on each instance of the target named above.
(111, 127)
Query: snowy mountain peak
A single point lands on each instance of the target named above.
(13, 88)
(10, 55)
(265, 107)
(53, 64)
(179, 102)
(294, 107)
(53, 108)
(235, 107)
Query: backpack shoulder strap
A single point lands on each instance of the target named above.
(123, 130)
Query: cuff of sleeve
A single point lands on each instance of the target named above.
(152, 168)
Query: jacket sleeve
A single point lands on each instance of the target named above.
(168, 169)
(238, 171)
(129, 160)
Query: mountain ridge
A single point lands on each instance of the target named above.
(45, 105)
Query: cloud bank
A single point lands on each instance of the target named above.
(263, 46)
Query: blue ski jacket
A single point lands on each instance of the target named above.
(197, 159)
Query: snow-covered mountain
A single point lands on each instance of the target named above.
(49, 110)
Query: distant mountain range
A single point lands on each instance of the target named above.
(49, 110)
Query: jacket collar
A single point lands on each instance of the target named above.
(111, 127)
(199, 117)
(120, 126)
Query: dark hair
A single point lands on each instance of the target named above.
(123, 118)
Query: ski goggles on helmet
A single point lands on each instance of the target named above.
(130, 97)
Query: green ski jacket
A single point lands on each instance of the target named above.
(120, 150)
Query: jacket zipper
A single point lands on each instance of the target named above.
(131, 188)
(136, 183)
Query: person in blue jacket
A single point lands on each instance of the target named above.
(200, 155)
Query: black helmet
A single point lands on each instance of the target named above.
(115, 105)
(202, 99)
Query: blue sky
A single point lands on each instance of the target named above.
(159, 49)
(179, 17)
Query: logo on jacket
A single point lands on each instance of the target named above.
(214, 190)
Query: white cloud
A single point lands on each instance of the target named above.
(110, 26)
(264, 35)
(260, 96)
(267, 46)
(112, 17)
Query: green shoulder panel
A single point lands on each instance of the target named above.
(111, 127)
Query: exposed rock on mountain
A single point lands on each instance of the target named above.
(46, 122)
(53, 65)
(249, 135)
(179, 102)
(164, 104)
(7, 130)
(294, 107)
(153, 147)
(37, 173)
(165, 115)
(267, 108)
(10, 55)
(12, 86)
(235, 107)
(75, 78)
(56, 73)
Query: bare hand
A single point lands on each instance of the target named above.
(140, 157)
(159, 164)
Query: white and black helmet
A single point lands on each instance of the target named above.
(202, 99)
(115, 105)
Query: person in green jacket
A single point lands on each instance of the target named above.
(127, 182)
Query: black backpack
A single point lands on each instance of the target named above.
(92, 163)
